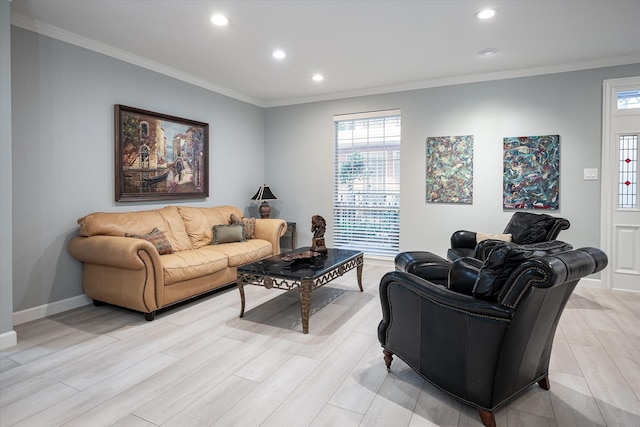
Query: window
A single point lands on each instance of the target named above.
(628, 99)
(628, 148)
(144, 131)
(366, 195)
(144, 156)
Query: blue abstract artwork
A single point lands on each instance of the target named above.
(531, 176)
(450, 169)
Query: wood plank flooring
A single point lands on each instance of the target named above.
(199, 364)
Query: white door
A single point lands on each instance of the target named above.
(620, 174)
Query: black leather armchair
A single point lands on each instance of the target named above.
(524, 227)
(486, 336)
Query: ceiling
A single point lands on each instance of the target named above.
(361, 47)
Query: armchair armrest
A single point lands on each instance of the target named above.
(463, 275)
(463, 239)
(424, 264)
(463, 243)
(439, 295)
(484, 248)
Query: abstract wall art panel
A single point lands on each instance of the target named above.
(531, 174)
(450, 169)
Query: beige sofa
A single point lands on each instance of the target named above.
(129, 272)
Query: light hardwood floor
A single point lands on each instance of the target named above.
(199, 364)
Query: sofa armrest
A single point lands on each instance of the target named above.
(271, 229)
(113, 251)
(123, 271)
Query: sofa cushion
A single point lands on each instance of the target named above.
(199, 222)
(167, 219)
(185, 265)
(157, 239)
(227, 233)
(243, 252)
(248, 223)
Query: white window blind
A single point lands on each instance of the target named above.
(366, 195)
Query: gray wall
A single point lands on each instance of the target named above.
(63, 152)
(7, 336)
(63, 148)
(299, 149)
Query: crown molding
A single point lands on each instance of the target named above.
(42, 28)
(39, 27)
(464, 79)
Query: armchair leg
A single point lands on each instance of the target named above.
(488, 420)
(544, 383)
(388, 358)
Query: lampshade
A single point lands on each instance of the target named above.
(264, 193)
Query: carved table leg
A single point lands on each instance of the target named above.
(359, 272)
(305, 304)
(388, 358)
(241, 289)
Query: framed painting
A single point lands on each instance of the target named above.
(531, 174)
(450, 169)
(159, 156)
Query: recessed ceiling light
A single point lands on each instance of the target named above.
(317, 77)
(486, 13)
(279, 54)
(220, 20)
(488, 51)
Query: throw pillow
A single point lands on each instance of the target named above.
(480, 236)
(249, 228)
(157, 239)
(227, 233)
(530, 228)
(248, 223)
(496, 270)
(233, 219)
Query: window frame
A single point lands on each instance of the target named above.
(366, 191)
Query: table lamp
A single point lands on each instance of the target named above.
(264, 193)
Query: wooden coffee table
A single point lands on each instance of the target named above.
(300, 275)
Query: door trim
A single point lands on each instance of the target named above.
(609, 175)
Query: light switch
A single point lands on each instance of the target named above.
(590, 174)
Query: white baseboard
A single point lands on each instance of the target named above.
(45, 310)
(8, 339)
(601, 284)
(587, 282)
